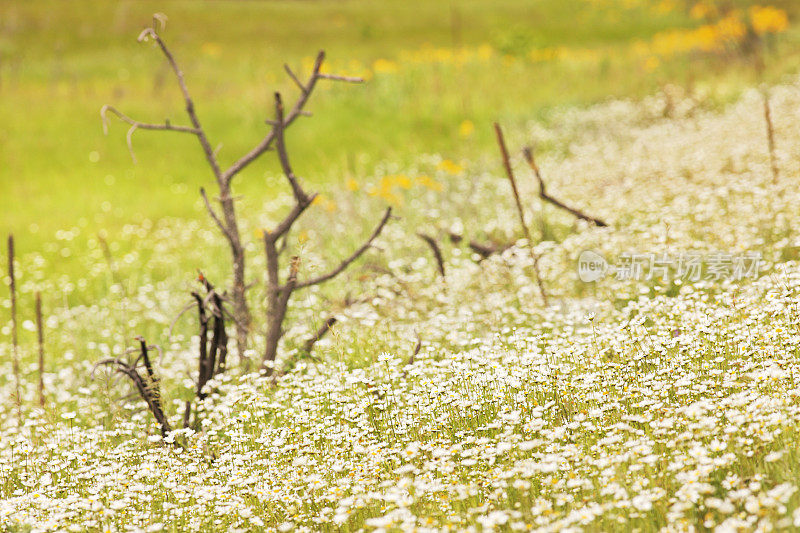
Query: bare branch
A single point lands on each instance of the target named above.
(280, 145)
(344, 264)
(437, 252)
(277, 300)
(286, 224)
(417, 348)
(149, 393)
(214, 217)
(295, 79)
(190, 109)
(501, 142)
(483, 250)
(12, 285)
(129, 139)
(346, 79)
(528, 153)
(167, 126)
(296, 111)
(323, 329)
(773, 162)
(40, 341)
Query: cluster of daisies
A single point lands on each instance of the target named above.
(458, 402)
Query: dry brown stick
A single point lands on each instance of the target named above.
(147, 364)
(136, 125)
(187, 413)
(483, 250)
(437, 252)
(308, 346)
(529, 157)
(146, 392)
(280, 145)
(222, 227)
(190, 109)
(510, 173)
(355, 255)
(14, 331)
(773, 162)
(417, 348)
(203, 346)
(40, 339)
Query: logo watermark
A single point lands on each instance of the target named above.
(666, 267)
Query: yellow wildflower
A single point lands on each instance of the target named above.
(429, 183)
(466, 128)
(352, 185)
(384, 66)
(450, 167)
(768, 19)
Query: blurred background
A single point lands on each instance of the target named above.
(438, 74)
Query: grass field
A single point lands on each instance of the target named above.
(462, 402)
(61, 62)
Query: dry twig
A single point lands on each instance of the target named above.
(528, 153)
(437, 252)
(147, 386)
(326, 326)
(510, 173)
(773, 162)
(12, 285)
(40, 339)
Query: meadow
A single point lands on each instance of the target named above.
(447, 396)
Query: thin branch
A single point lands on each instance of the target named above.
(528, 153)
(510, 173)
(145, 355)
(295, 79)
(222, 227)
(417, 348)
(182, 312)
(308, 346)
(437, 252)
(286, 224)
(187, 413)
(344, 264)
(280, 145)
(773, 162)
(346, 79)
(296, 111)
(484, 250)
(12, 285)
(141, 125)
(135, 124)
(40, 340)
(150, 395)
(190, 109)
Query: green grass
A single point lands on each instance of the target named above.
(60, 62)
(664, 403)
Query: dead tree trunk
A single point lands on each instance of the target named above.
(278, 293)
(227, 222)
